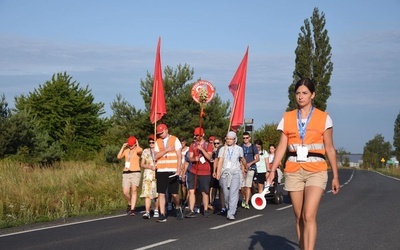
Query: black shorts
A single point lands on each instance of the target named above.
(214, 183)
(261, 178)
(164, 182)
(202, 182)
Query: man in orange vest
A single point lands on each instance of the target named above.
(169, 158)
(131, 174)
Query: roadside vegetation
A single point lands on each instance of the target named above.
(71, 189)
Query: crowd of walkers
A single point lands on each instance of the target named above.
(213, 165)
(206, 176)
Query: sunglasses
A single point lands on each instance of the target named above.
(216, 143)
(151, 142)
(246, 137)
(196, 135)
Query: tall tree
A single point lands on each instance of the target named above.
(68, 114)
(375, 150)
(396, 137)
(313, 60)
(5, 114)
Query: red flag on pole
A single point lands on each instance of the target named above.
(158, 108)
(238, 90)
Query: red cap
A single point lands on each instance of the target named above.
(211, 138)
(160, 128)
(198, 131)
(151, 137)
(131, 141)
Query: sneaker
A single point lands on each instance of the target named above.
(191, 215)
(179, 214)
(196, 210)
(243, 204)
(131, 212)
(156, 214)
(230, 217)
(146, 215)
(169, 207)
(222, 212)
(247, 206)
(162, 218)
(128, 209)
(206, 214)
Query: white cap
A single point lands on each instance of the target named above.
(231, 134)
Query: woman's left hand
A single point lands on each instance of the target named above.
(335, 186)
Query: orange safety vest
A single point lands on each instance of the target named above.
(170, 159)
(313, 140)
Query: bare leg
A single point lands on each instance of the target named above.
(147, 204)
(205, 200)
(192, 199)
(127, 195)
(161, 200)
(312, 198)
(177, 200)
(133, 197)
(248, 194)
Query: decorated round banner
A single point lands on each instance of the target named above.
(203, 92)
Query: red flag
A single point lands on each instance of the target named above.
(158, 108)
(238, 90)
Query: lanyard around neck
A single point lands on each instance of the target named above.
(302, 128)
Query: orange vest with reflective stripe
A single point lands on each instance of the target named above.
(170, 159)
(313, 140)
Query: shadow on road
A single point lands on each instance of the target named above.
(272, 242)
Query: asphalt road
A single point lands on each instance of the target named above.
(364, 215)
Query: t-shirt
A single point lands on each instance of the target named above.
(249, 154)
(201, 168)
(231, 158)
(261, 165)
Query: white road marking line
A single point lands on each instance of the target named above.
(63, 225)
(283, 208)
(388, 176)
(156, 244)
(347, 182)
(235, 222)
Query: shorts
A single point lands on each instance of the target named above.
(214, 183)
(248, 179)
(164, 182)
(261, 178)
(131, 179)
(202, 182)
(300, 179)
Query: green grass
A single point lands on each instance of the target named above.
(29, 195)
(395, 172)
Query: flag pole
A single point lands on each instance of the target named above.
(234, 106)
(155, 111)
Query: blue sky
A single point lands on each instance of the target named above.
(110, 46)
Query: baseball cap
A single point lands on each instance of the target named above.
(198, 131)
(151, 137)
(211, 138)
(160, 128)
(131, 141)
(231, 134)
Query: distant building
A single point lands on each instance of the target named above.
(351, 160)
(393, 162)
(355, 161)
